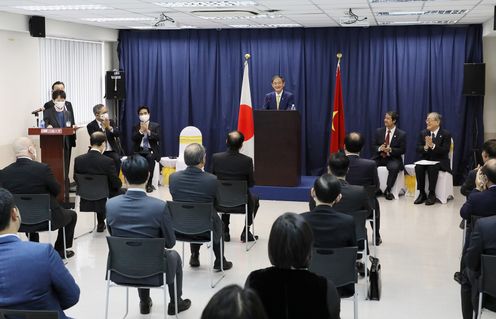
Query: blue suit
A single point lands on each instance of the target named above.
(287, 100)
(33, 277)
(479, 204)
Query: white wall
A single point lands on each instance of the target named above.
(20, 75)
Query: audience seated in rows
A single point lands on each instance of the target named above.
(33, 276)
(287, 289)
(232, 165)
(195, 185)
(488, 152)
(136, 215)
(95, 163)
(27, 176)
(234, 302)
(363, 172)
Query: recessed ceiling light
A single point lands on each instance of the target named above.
(117, 19)
(418, 22)
(259, 16)
(64, 7)
(151, 27)
(206, 4)
(256, 26)
(400, 13)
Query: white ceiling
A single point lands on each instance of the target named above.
(305, 13)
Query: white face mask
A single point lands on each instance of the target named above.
(144, 118)
(104, 116)
(59, 106)
(32, 150)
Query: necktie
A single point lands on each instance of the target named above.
(386, 142)
(433, 135)
(278, 100)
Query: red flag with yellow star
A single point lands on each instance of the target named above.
(337, 122)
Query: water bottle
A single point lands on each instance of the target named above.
(293, 108)
(42, 123)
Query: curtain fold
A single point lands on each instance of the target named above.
(193, 77)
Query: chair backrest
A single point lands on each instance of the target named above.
(360, 218)
(92, 187)
(336, 264)
(231, 193)
(136, 258)
(34, 208)
(191, 218)
(189, 135)
(488, 275)
(28, 314)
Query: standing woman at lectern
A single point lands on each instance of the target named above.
(59, 116)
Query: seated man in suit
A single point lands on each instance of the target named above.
(488, 152)
(482, 242)
(363, 172)
(102, 123)
(135, 215)
(33, 275)
(389, 146)
(94, 163)
(434, 144)
(146, 142)
(27, 176)
(232, 165)
(279, 99)
(195, 185)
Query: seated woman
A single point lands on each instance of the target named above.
(288, 290)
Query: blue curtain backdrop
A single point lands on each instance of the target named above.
(193, 77)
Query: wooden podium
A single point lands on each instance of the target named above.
(277, 148)
(52, 154)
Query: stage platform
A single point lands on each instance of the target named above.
(300, 193)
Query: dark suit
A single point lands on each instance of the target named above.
(152, 154)
(136, 215)
(34, 277)
(469, 183)
(112, 140)
(197, 186)
(285, 103)
(482, 242)
(364, 172)
(440, 153)
(25, 176)
(393, 162)
(94, 163)
(232, 165)
(50, 118)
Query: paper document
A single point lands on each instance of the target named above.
(426, 162)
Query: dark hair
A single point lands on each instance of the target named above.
(338, 164)
(97, 108)
(57, 83)
(278, 76)
(235, 140)
(97, 138)
(143, 107)
(327, 188)
(194, 154)
(489, 169)
(6, 205)
(135, 169)
(290, 242)
(353, 142)
(56, 94)
(489, 147)
(234, 302)
(394, 115)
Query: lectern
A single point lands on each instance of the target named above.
(277, 148)
(52, 154)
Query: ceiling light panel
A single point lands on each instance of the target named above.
(64, 7)
(117, 19)
(206, 4)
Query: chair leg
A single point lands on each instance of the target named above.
(50, 232)
(355, 304)
(164, 289)
(127, 302)
(366, 269)
(66, 260)
(223, 274)
(479, 311)
(182, 260)
(91, 231)
(175, 295)
(247, 230)
(107, 297)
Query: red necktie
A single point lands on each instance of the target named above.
(386, 142)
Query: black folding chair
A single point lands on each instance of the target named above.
(487, 281)
(28, 314)
(339, 266)
(35, 209)
(371, 194)
(232, 198)
(133, 261)
(193, 223)
(91, 188)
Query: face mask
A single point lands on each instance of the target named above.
(144, 118)
(59, 106)
(104, 116)
(32, 150)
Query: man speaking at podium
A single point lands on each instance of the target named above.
(279, 99)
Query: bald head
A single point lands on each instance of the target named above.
(24, 146)
(235, 140)
(353, 142)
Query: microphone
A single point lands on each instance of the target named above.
(38, 110)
